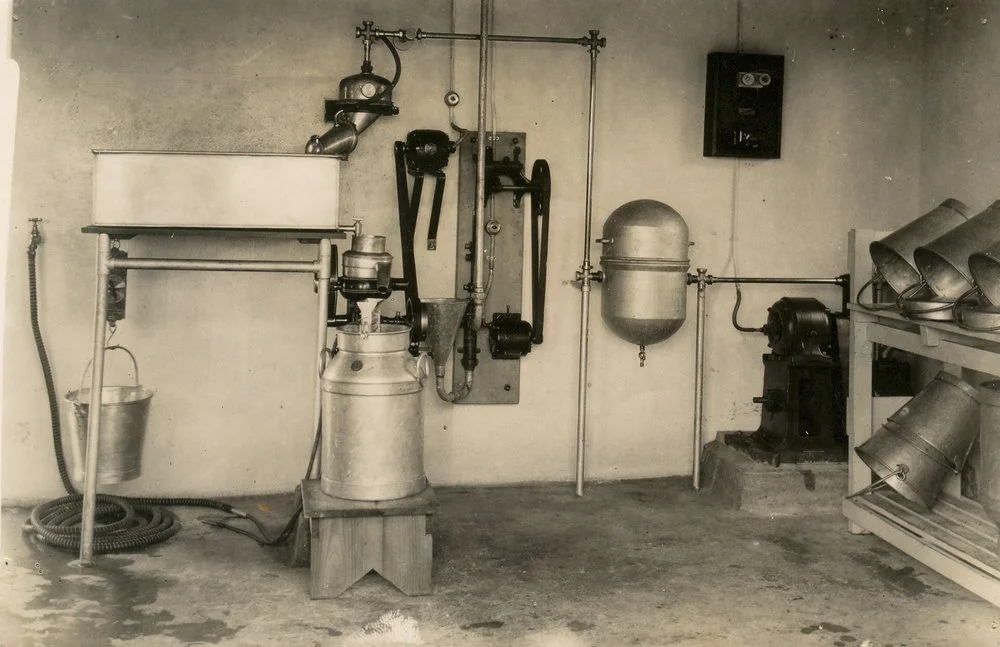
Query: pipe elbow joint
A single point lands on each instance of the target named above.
(454, 396)
(342, 139)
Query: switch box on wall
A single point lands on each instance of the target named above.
(743, 105)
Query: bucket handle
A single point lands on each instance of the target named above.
(901, 471)
(90, 362)
(909, 292)
(870, 283)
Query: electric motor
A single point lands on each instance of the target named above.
(799, 325)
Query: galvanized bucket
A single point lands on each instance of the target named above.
(926, 440)
(124, 410)
(893, 255)
(985, 269)
(989, 446)
(944, 262)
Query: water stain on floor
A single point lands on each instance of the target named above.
(824, 626)
(808, 479)
(794, 551)
(488, 624)
(904, 578)
(110, 603)
(578, 626)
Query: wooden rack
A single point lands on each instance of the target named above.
(955, 538)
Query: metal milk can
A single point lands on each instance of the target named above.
(372, 422)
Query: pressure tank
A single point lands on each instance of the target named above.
(645, 263)
(372, 422)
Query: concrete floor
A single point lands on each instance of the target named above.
(632, 563)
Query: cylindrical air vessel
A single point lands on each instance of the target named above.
(373, 433)
(645, 263)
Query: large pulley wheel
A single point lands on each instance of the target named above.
(541, 181)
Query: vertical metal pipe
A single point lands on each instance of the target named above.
(581, 411)
(585, 278)
(590, 159)
(699, 377)
(478, 243)
(323, 286)
(94, 412)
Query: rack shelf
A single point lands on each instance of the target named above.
(955, 537)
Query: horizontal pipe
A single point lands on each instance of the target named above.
(738, 279)
(151, 151)
(211, 265)
(500, 38)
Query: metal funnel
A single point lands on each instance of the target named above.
(444, 316)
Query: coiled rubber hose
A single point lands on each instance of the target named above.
(122, 523)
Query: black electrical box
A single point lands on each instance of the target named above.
(743, 105)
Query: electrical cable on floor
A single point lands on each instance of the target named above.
(261, 536)
(122, 523)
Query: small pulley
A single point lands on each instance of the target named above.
(508, 175)
(427, 152)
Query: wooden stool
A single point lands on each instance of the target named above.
(349, 539)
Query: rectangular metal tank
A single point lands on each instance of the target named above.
(227, 190)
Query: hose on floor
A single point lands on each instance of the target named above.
(122, 523)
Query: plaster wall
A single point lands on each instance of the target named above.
(9, 82)
(230, 355)
(960, 129)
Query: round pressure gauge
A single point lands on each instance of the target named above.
(747, 79)
(368, 90)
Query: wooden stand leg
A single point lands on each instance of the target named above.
(343, 551)
(349, 539)
(406, 557)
